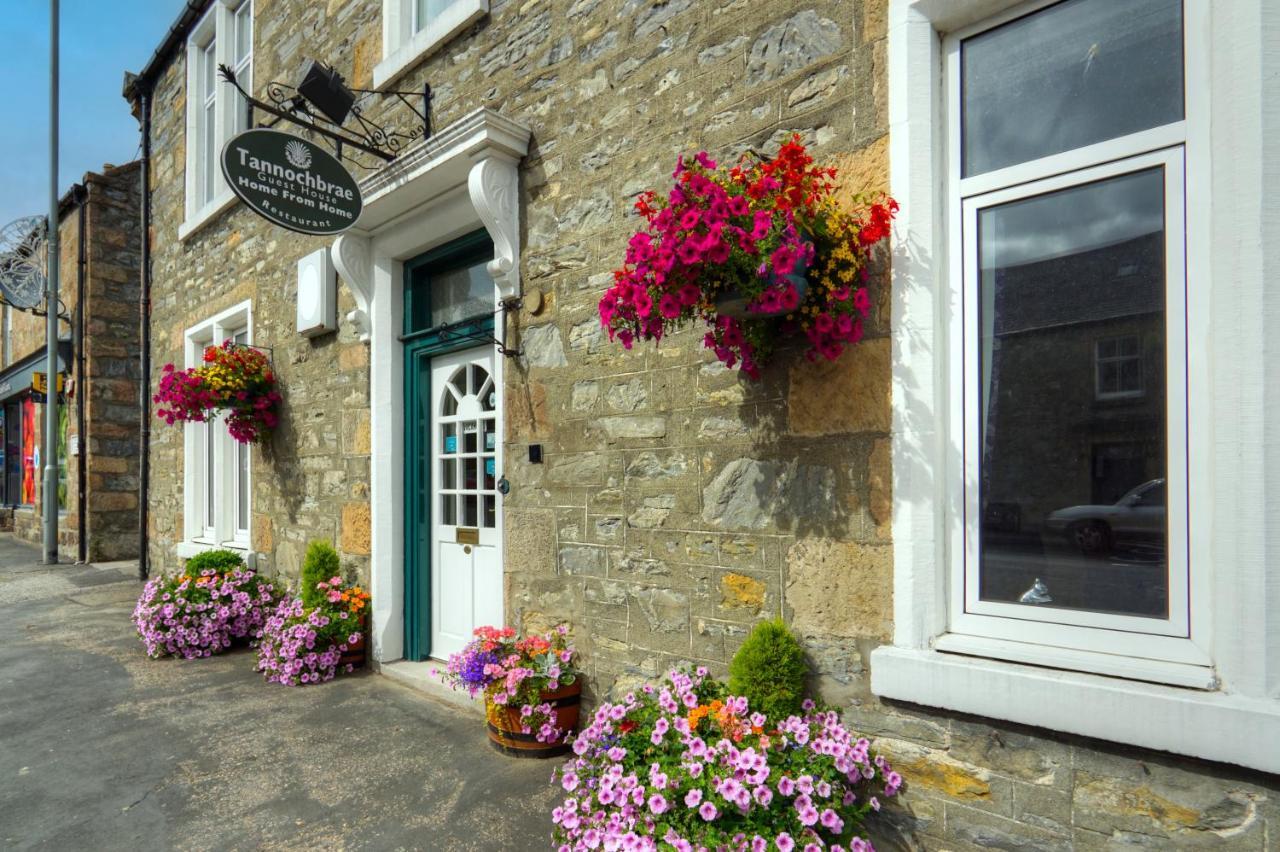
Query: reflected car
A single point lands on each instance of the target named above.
(1136, 519)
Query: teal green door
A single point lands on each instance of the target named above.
(448, 307)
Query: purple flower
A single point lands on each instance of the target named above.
(708, 812)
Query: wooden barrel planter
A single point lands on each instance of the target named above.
(504, 724)
(355, 654)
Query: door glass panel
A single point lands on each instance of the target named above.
(1072, 74)
(490, 471)
(448, 474)
(470, 438)
(461, 294)
(469, 478)
(490, 512)
(449, 433)
(1072, 482)
(448, 510)
(469, 510)
(490, 441)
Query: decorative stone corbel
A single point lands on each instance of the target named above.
(494, 185)
(352, 255)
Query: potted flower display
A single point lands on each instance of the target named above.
(530, 687)
(233, 378)
(214, 603)
(756, 251)
(313, 636)
(684, 765)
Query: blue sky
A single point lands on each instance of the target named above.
(100, 41)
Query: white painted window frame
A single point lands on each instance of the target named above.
(405, 44)
(1096, 632)
(224, 532)
(218, 26)
(1228, 711)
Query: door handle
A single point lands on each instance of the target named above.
(466, 548)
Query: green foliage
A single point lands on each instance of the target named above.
(320, 564)
(220, 561)
(770, 670)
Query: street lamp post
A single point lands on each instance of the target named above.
(51, 313)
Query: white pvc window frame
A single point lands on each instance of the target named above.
(1105, 636)
(1057, 626)
(1222, 712)
(216, 485)
(207, 193)
(406, 41)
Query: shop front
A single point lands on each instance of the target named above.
(22, 419)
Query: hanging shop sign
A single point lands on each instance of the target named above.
(291, 181)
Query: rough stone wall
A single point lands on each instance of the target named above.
(109, 387)
(311, 480)
(677, 503)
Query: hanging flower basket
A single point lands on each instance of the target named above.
(758, 252)
(234, 379)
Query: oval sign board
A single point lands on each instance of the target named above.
(291, 181)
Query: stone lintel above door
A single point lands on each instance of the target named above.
(480, 153)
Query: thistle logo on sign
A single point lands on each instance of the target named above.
(291, 181)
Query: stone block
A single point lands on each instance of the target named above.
(840, 588)
(752, 494)
(584, 560)
(631, 427)
(530, 540)
(738, 591)
(880, 480)
(791, 45)
(848, 395)
(356, 534)
(263, 533)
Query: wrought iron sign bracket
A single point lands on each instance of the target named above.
(368, 136)
(454, 331)
(507, 306)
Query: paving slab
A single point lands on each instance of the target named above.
(102, 748)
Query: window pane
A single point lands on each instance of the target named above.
(209, 474)
(209, 70)
(1073, 74)
(460, 294)
(210, 154)
(242, 487)
(244, 32)
(1061, 526)
(426, 11)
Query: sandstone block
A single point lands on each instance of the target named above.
(848, 395)
(839, 588)
(356, 535)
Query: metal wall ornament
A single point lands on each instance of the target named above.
(322, 103)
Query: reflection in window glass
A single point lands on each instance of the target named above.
(461, 294)
(1072, 74)
(1072, 488)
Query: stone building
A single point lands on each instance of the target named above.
(98, 236)
(660, 503)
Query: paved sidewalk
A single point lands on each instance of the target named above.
(102, 748)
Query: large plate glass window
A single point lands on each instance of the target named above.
(1067, 145)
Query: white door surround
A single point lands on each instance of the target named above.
(463, 178)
